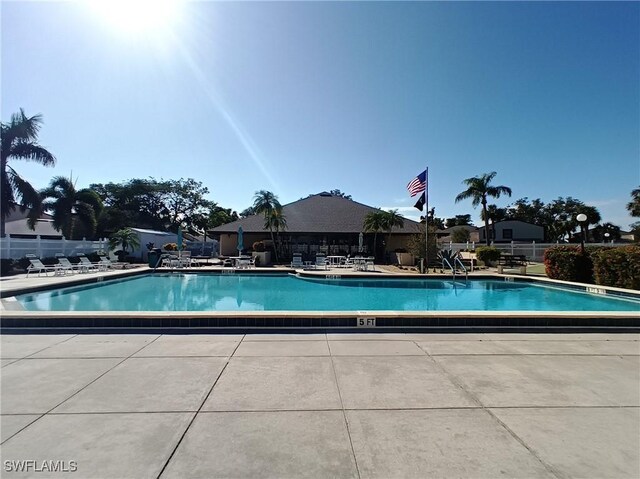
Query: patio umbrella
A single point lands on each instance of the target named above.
(179, 238)
(360, 241)
(240, 245)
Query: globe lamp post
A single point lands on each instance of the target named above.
(582, 219)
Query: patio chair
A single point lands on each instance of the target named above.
(184, 259)
(68, 267)
(37, 265)
(242, 263)
(89, 265)
(369, 262)
(321, 262)
(111, 264)
(346, 262)
(297, 262)
(170, 261)
(106, 263)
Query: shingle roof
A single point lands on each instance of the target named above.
(321, 213)
(43, 227)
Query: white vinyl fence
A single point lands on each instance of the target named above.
(533, 251)
(16, 248)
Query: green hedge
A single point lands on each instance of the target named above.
(567, 263)
(487, 254)
(6, 266)
(619, 267)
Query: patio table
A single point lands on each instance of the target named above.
(335, 260)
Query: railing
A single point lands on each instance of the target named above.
(533, 251)
(16, 248)
(454, 267)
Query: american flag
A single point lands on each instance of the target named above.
(418, 184)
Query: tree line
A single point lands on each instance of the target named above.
(103, 209)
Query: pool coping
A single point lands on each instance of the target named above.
(12, 318)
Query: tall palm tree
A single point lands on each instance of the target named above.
(20, 142)
(74, 211)
(634, 205)
(479, 189)
(374, 222)
(391, 220)
(276, 221)
(494, 214)
(264, 202)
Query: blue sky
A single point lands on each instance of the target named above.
(298, 98)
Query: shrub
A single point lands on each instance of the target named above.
(6, 266)
(258, 246)
(487, 254)
(568, 263)
(22, 264)
(93, 257)
(170, 247)
(619, 267)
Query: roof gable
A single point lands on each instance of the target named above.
(321, 213)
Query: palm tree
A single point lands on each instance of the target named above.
(276, 221)
(391, 220)
(374, 222)
(478, 190)
(19, 142)
(634, 205)
(125, 237)
(72, 209)
(494, 214)
(264, 202)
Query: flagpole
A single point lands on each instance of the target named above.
(426, 221)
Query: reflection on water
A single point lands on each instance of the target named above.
(207, 292)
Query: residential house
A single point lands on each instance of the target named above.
(320, 223)
(513, 230)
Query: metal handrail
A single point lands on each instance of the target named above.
(459, 261)
(453, 270)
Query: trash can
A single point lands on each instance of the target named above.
(155, 255)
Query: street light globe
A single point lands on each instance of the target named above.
(581, 218)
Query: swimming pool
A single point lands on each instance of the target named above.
(227, 293)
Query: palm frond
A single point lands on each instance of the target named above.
(24, 150)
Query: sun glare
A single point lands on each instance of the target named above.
(137, 16)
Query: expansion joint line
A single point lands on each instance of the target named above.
(83, 387)
(344, 413)
(477, 401)
(206, 397)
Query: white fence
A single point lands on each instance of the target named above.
(533, 251)
(16, 248)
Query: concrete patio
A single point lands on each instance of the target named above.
(322, 405)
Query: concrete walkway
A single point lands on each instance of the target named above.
(322, 406)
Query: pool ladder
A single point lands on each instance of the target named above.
(454, 267)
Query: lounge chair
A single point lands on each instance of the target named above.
(109, 264)
(37, 265)
(297, 262)
(68, 267)
(321, 262)
(84, 261)
(106, 263)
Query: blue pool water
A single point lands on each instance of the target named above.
(207, 292)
